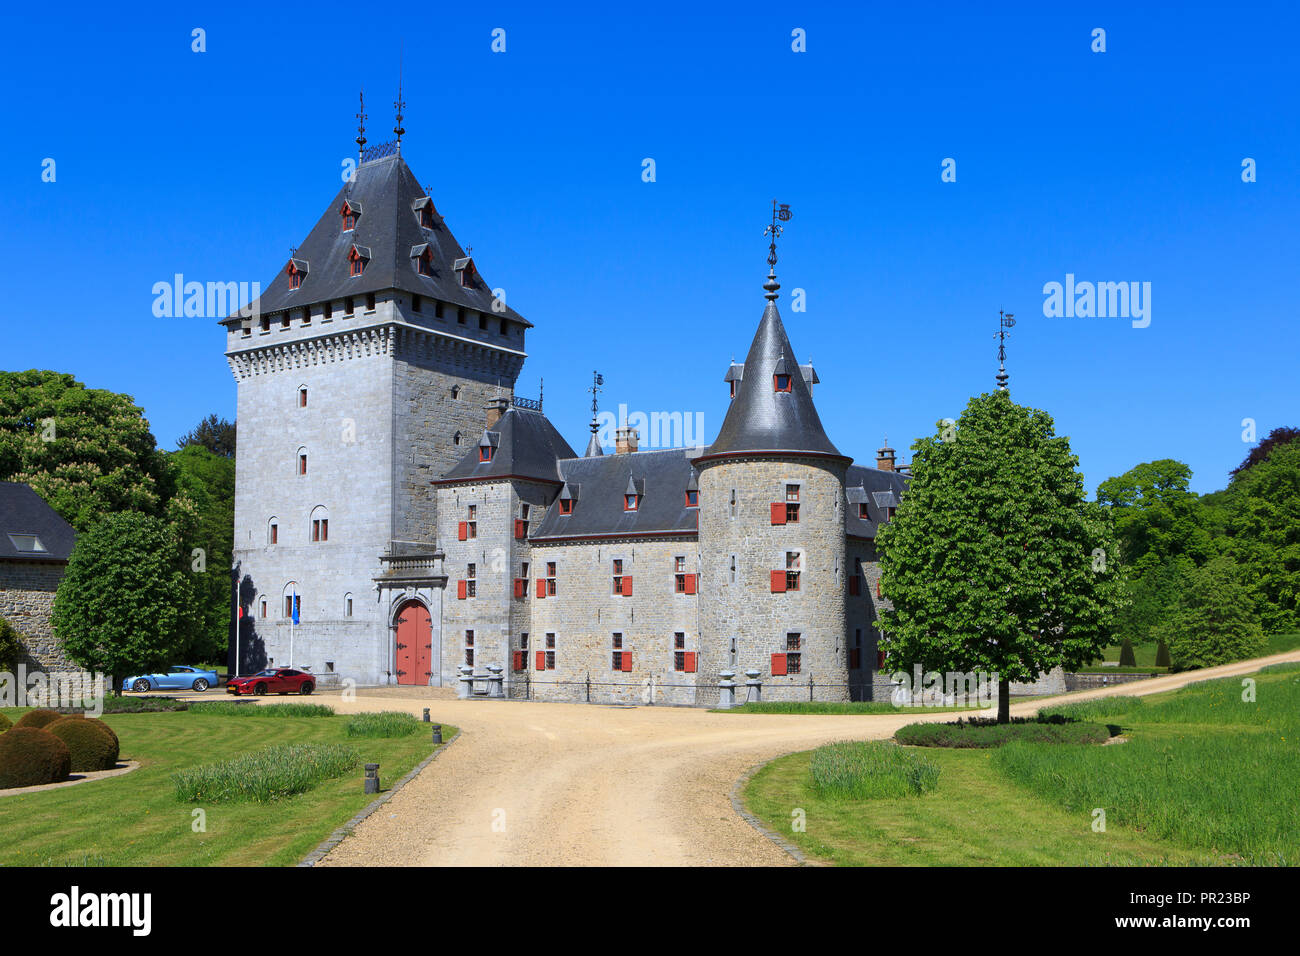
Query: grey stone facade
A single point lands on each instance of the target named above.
(26, 600)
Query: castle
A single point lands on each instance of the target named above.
(417, 517)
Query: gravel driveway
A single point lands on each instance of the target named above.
(586, 785)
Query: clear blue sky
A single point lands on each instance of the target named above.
(1118, 166)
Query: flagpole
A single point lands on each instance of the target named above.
(293, 619)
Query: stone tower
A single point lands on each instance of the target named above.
(362, 377)
(772, 494)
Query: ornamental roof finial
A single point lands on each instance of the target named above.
(361, 127)
(774, 230)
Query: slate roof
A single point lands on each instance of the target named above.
(527, 446)
(23, 511)
(662, 477)
(763, 419)
(387, 231)
(879, 489)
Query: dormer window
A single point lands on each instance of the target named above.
(423, 256)
(733, 389)
(692, 499)
(631, 502)
(424, 209)
(782, 383)
(358, 256)
(350, 212)
(488, 446)
(485, 452)
(464, 269)
(566, 506)
(862, 511)
(297, 270)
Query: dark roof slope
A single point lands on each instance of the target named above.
(879, 490)
(388, 229)
(24, 512)
(527, 446)
(598, 484)
(763, 419)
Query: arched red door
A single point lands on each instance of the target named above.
(414, 655)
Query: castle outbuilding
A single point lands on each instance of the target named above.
(418, 518)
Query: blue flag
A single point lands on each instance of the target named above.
(295, 607)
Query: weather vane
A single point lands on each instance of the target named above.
(1005, 321)
(597, 380)
(361, 126)
(400, 104)
(775, 229)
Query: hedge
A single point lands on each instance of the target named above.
(983, 732)
(30, 757)
(92, 743)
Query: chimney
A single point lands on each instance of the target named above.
(625, 440)
(495, 409)
(885, 458)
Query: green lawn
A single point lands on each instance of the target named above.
(1204, 779)
(136, 820)
(1145, 654)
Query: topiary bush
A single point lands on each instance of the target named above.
(92, 743)
(1162, 655)
(39, 718)
(30, 757)
(1126, 656)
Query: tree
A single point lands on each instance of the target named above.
(1263, 534)
(207, 480)
(1126, 656)
(215, 434)
(88, 452)
(127, 600)
(1214, 621)
(1278, 436)
(8, 647)
(995, 561)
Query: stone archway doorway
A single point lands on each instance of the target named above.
(413, 637)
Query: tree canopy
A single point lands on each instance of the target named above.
(215, 434)
(208, 481)
(995, 561)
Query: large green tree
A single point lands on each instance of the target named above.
(88, 452)
(995, 561)
(127, 601)
(208, 481)
(1213, 621)
(1263, 534)
(215, 434)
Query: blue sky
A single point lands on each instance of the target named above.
(1115, 166)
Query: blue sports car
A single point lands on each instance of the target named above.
(176, 678)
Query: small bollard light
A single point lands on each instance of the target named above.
(372, 778)
(437, 733)
(426, 715)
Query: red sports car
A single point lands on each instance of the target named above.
(277, 680)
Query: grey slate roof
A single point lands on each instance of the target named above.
(762, 419)
(879, 489)
(527, 446)
(387, 229)
(661, 476)
(23, 511)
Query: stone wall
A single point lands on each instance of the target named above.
(26, 601)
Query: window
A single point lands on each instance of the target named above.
(349, 217)
(546, 585)
(284, 320)
(347, 606)
(683, 660)
(469, 648)
(855, 579)
(460, 315)
(295, 277)
(782, 383)
(862, 511)
(471, 521)
(855, 652)
(467, 276)
(426, 216)
(273, 532)
(692, 499)
(424, 263)
(618, 576)
(437, 309)
(349, 308)
(505, 326)
(550, 652)
(793, 565)
(302, 397)
(415, 303)
(455, 394)
(356, 264)
(523, 511)
(889, 514)
(566, 506)
(264, 607)
(485, 452)
(292, 602)
(320, 529)
(471, 582)
(792, 655)
(792, 504)
(733, 502)
(328, 311)
(370, 302)
(733, 388)
(616, 641)
(733, 569)
(482, 322)
(306, 315)
(266, 323)
(630, 502)
(302, 462)
(683, 582)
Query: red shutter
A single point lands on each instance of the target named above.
(541, 660)
(461, 590)
(518, 658)
(778, 512)
(627, 585)
(878, 594)
(855, 659)
(627, 660)
(541, 587)
(461, 532)
(778, 665)
(689, 666)
(690, 583)
(778, 582)
(521, 529)
(520, 587)
(880, 659)
(854, 586)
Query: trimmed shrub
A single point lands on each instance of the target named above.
(265, 775)
(5, 723)
(863, 770)
(30, 757)
(1126, 656)
(39, 718)
(981, 732)
(382, 724)
(92, 743)
(117, 704)
(1162, 655)
(229, 708)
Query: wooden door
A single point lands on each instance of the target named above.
(414, 657)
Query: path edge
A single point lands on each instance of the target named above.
(338, 836)
(800, 858)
